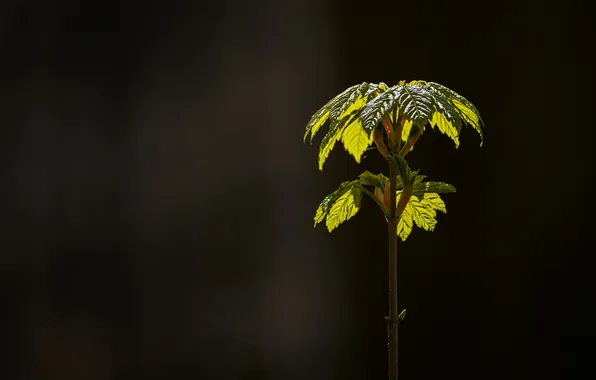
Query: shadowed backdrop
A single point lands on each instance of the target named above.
(157, 197)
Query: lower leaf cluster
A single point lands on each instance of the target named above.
(421, 209)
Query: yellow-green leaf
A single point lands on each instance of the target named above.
(405, 132)
(421, 211)
(405, 224)
(434, 201)
(420, 188)
(341, 112)
(446, 127)
(470, 115)
(327, 146)
(356, 140)
(330, 199)
(317, 124)
(348, 128)
(346, 206)
(323, 114)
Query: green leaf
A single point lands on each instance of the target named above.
(456, 110)
(377, 201)
(340, 205)
(344, 202)
(345, 123)
(415, 104)
(405, 132)
(356, 140)
(345, 207)
(405, 224)
(405, 173)
(333, 136)
(321, 116)
(376, 109)
(422, 211)
(330, 199)
(401, 316)
(446, 117)
(376, 180)
(421, 188)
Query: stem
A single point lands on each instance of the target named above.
(414, 135)
(388, 130)
(397, 134)
(392, 320)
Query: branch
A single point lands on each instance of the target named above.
(398, 132)
(372, 196)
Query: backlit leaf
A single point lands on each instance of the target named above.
(415, 104)
(356, 140)
(345, 207)
(422, 211)
(405, 224)
(376, 109)
(330, 199)
(456, 109)
(433, 187)
(345, 123)
(405, 132)
(321, 116)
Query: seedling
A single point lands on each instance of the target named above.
(393, 119)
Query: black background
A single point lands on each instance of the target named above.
(157, 198)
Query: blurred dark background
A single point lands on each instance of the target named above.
(157, 198)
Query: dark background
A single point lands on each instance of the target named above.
(157, 198)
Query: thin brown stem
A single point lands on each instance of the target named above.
(389, 130)
(414, 135)
(392, 319)
(396, 146)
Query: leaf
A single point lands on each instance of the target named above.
(330, 199)
(456, 110)
(405, 173)
(330, 139)
(345, 207)
(401, 316)
(375, 110)
(434, 201)
(376, 180)
(471, 116)
(345, 123)
(446, 116)
(446, 127)
(344, 203)
(340, 205)
(415, 104)
(356, 140)
(321, 116)
(421, 210)
(433, 187)
(405, 224)
(405, 132)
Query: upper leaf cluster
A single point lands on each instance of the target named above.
(356, 112)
